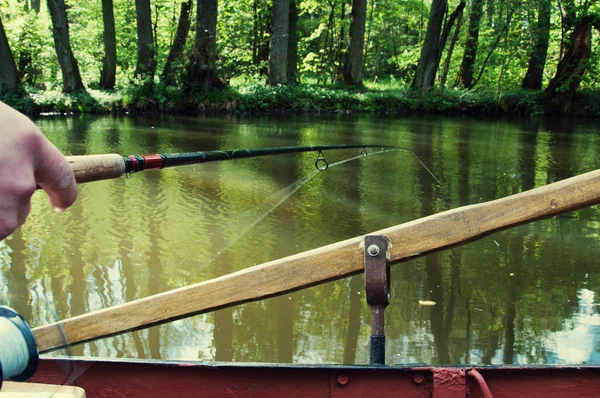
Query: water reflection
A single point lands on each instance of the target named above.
(522, 296)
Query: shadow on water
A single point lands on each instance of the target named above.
(356, 286)
(19, 296)
(434, 285)
(123, 238)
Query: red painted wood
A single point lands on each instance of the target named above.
(539, 383)
(449, 383)
(120, 379)
(376, 384)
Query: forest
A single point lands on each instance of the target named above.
(388, 56)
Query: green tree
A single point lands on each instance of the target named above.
(109, 62)
(535, 70)
(146, 61)
(202, 73)
(465, 74)
(70, 70)
(428, 61)
(574, 62)
(261, 17)
(278, 52)
(292, 56)
(9, 76)
(176, 51)
(353, 66)
(458, 13)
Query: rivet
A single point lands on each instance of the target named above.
(373, 250)
(418, 378)
(342, 380)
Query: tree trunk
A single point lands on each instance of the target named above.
(338, 73)
(146, 64)
(255, 30)
(263, 47)
(109, 63)
(368, 41)
(504, 28)
(260, 45)
(450, 51)
(329, 54)
(70, 70)
(278, 53)
(448, 28)
(427, 66)
(573, 65)
(181, 34)
(354, 56)
(35, 6)
(568, 15)
(292, 64)
(203, 70)
(9, 76)
(465, 74)
(535, 70)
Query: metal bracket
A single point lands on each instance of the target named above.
(377, 287)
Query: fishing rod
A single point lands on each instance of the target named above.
(89, 168)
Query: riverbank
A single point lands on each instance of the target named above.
(306, 98)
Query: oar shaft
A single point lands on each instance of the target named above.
(409, 240)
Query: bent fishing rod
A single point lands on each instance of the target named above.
(89, 168)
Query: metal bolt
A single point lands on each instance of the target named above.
(342, 380)
(373, 250)
(418, 378)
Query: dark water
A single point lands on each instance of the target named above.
(526, 296)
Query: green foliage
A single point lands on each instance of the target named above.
(29, 56)
(253, 96)
(19, 99)
(393, 38)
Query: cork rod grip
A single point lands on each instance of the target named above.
(96, 167)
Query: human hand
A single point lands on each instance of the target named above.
(28, 159)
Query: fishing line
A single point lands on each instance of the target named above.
(251, 217)
(69, 366)
(425, 167)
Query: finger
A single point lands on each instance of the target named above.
(23, 212)
(15, 207)
(12, 218)
(54, 174)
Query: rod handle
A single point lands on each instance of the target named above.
(96, 167)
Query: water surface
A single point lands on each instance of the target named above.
(522, 296)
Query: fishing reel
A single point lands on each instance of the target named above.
(18, 350)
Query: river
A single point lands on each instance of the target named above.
(521, 296)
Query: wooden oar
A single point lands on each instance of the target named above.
(328, 263)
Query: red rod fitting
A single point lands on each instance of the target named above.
(153, 161)
(135, 165)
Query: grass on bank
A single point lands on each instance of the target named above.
(255, 97)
